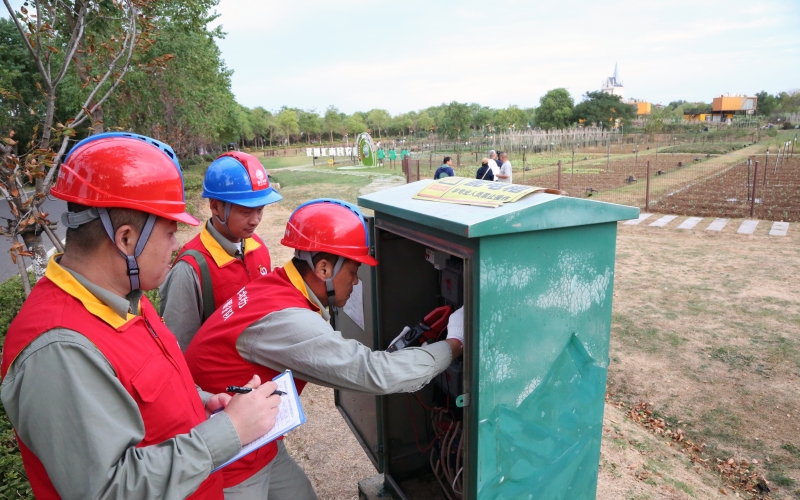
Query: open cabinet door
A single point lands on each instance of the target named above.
(356, 320)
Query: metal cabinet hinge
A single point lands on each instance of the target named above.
(462, 400)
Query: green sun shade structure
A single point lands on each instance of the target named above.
(538, 280)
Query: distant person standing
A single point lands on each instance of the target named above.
(493, 163)
(446, 170)
(505, 169)
(485, 171)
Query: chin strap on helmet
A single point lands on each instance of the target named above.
(309, 258)
(227, 210)
(133, 267)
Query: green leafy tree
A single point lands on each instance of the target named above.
(403, 123)
(500, 120)
(355, 125)
(244, 125)
(481, 116)
(674, 104)
(332, 121)
(309, 123)
(260, 118)
(789, 102)
(555, 109)
(93, 42)
(766, 103)
(655, 122)
(424, 122)
(18, 78)
(287, 124)
(456, 120)
(517, 118)
(187, 102)
(606, 110)
(378, 119)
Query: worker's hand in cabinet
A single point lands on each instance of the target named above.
(455, 332)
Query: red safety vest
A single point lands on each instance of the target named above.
(216, 363)
(144, 354)
(228, 274)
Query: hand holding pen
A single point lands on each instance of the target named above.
(253, 409)
(244, 390)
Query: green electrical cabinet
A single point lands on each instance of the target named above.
(535, 278)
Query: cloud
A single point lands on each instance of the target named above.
(360, 55)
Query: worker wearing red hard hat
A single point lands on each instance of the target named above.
(94, 383)
(280, 322)
(227, 254)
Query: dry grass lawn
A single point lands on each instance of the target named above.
(706, 328)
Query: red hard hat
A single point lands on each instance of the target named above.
(123, 172)
(331, 226)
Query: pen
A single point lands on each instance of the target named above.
(245, 390)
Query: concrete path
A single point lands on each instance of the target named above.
(635, 222)
(690, 223)
(717, 225)
(663, 221)
(747, 226)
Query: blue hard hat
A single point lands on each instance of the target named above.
(239, 178)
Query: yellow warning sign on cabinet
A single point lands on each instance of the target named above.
(475, 192)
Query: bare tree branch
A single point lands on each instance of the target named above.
(129, 38)
(75, 39)
(48, 180)
(39, 38)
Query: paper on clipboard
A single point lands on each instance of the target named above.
(355, 305)
(290, 416)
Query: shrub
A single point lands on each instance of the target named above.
(13, 480)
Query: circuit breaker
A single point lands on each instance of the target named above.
(520, 414)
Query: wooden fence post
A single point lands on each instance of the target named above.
(559, 175)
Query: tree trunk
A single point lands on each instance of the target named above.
(48, 119)
(33, 242)
(97, 121)
(23, 273)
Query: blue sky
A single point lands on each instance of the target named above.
(403, 56)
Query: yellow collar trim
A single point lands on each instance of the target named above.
(220, 256)
(65, 281)
(297, 280)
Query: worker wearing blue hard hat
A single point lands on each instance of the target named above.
(227, 254)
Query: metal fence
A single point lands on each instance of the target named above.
(674, 183)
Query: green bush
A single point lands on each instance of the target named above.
(13, 480)
(207, 157)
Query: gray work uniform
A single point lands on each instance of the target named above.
(181, 297)
(303, 341)
(68, 406)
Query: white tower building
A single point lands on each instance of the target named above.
(613, 85)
